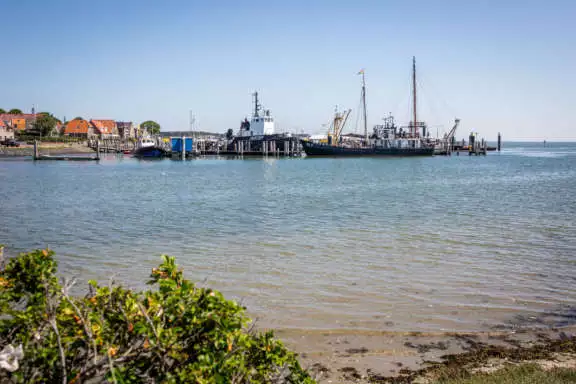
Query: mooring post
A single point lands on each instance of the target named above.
(183, 148)
(97, 149)
(499, 141)
(35, 149)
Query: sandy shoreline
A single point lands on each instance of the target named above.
(347, 356)
(46, 149)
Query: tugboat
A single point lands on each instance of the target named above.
(258, 137)
(147, 148)
(386, 139)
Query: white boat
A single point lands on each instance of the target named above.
(146, 141)
(147, 148)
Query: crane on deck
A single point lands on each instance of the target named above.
(449, 136)
(337, 126)
(446, 145)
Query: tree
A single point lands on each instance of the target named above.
(15, 111)
(229, 134)
(175, 333)
(2, 111)
(78, 118)
(151, 127)
(44, 124)
(51, 115)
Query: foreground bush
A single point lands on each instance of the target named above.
(177, 333)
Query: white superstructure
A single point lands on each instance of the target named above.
(146, 141)
(260, 124)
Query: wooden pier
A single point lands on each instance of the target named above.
(276, 146)
(113, 145)
(472, 147)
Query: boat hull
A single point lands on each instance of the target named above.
(150, 152)
(315, 149)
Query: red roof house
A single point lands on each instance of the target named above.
(79, 127)
(104, 127)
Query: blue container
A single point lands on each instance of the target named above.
(176, 144)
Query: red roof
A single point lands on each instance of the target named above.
(104, 127)
(76, 127)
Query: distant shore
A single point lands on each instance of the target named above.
(46, 149)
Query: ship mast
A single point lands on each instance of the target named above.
(414, 126)
(364, 107)
(256, 104)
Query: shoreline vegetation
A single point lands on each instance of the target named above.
(177, 332)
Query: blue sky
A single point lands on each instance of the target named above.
(497, 65)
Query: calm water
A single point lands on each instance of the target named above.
(434, 244)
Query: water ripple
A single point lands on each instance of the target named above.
(432, 244)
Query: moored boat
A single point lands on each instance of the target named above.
(147, 148)
(387, 140)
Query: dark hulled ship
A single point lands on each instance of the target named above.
(386, 139)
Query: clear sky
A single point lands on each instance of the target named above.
(504, 65)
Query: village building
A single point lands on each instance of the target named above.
(19, 122)
(6, 132)
(58, 129)
(104, 128)
(126, 129)
(79, 128)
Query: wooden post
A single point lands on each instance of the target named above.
(35, 149)
(499, 141)
(98, 149)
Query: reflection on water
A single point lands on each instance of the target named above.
(432, 244)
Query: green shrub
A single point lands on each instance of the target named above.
(176, 333)
(49, 139)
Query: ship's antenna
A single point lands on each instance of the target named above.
(256, 104)
(414, 93)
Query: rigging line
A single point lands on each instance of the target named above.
(358, 116)
(431, 86)
(410, 95)
(427, 101)
(400, 104)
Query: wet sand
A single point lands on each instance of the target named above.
(364, 357)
